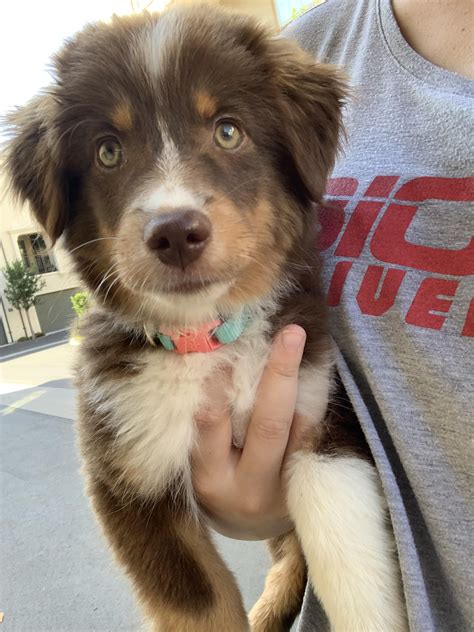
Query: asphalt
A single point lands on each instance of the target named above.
(56, 574)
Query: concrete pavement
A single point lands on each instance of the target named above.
(55, 573)
(37, 368)
(30, 346)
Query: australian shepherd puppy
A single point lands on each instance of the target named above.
(179, 156)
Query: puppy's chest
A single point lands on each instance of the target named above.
(172, 389)
(151, 414)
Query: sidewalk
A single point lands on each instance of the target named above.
(17, 349)
(36, 368)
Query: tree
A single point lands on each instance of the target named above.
(22, 289)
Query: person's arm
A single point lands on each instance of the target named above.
(242, 490)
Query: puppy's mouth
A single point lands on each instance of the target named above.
(155, 281)
(189, 286)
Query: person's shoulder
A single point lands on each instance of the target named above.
(323, 26)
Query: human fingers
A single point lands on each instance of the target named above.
(214, 431)
(268, 431)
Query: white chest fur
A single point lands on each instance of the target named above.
(153, 413)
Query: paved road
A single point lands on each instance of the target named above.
(55, 573)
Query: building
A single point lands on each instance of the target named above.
(20, 238)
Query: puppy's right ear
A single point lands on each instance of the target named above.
(311, 100)
(33, 164)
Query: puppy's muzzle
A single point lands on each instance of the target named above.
(178, 238)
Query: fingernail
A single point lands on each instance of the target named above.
(293, 338)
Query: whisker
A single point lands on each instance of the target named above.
(110, 272)
(91, 241)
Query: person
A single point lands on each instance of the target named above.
(399, 272)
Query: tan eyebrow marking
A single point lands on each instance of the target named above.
(205, 104)
(122, 117)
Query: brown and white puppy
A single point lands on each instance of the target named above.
(178, 155)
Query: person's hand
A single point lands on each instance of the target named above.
(242, 491)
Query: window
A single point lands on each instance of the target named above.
(288, 10)
(34, 254)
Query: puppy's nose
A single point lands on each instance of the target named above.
(178, 238)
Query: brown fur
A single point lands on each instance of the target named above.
(205, 104)
(122, 117)
(296, 98)
(259, 199)
(280, 602)
(340, 432)
(186, 585)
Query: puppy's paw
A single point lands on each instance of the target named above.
(263, 618)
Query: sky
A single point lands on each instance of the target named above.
(32, 30)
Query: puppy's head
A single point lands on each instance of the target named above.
(178, 155)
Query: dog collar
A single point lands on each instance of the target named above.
(202, 339)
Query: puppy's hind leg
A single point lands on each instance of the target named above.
(340, 515)
(281, 599)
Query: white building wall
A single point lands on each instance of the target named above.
(16, 220)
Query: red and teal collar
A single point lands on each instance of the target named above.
(202, 339)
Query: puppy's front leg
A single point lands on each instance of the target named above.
(340, 515)
(181, 581)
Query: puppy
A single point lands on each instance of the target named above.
(178, 155)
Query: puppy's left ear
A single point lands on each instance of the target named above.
(311, 97)
(33, 164)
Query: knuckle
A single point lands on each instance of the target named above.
(281, 369)
(252, 506)
(204, 487)
(271, 429)
(208, 421)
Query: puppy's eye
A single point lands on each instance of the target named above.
(227, 135)
(109, 153)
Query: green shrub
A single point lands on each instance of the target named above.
(80, 302)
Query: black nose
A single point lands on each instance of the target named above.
(178, 238)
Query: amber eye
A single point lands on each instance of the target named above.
(227, 135)
(109, 153)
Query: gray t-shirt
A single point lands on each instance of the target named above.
(399, 265)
